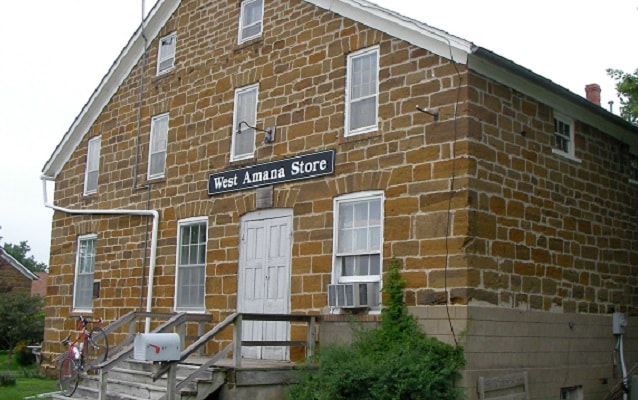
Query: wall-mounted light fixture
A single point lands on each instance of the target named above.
(269, 133)
(434, 112)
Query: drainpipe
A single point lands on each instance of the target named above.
(151, 213)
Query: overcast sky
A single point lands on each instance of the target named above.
(56, 52)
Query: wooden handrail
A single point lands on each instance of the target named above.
(124, 348)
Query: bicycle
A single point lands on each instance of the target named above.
(89, 349)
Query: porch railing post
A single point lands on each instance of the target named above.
(102, 384)
(200, 333)
(237, 341)
(171, 382)
(310, 347)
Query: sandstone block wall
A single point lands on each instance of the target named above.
(475, 210)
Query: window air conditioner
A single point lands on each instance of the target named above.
(351, 295)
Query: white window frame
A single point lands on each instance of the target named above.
(250, 119)
(182, 268)
(92, 171)
(157, 146)
(81, 260)
(561, 119)
(351, 98)
(242, 37)
(337, 254)
(166, 53)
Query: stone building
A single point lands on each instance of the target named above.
(261, 155)
(14, 277)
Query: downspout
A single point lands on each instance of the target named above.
(152, 213)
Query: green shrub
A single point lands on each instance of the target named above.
(23, 355)
(394, 362)
(7, 380)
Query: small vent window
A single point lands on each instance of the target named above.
(166, 54)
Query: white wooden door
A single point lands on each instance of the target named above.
(264, 287)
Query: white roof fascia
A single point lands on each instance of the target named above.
(558, 98)
(18, 265)
(417, 33)
(118, 72)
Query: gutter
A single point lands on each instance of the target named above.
(148, 213)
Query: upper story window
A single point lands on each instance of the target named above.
(362, 92)
(191, 265)
(92, 165)
(84, 268)
(166, 53)
(251, 19)
(564, 136)
(157, 147)
(244, 119)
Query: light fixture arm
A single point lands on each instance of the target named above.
(269, 133)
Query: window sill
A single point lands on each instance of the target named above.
(191, 311)
(248, 43)
(81, 312)
(359, 136)
(152, 181)
(164, 75)
(567, 156)
(633, 182)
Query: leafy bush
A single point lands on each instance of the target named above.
(23, 355)
(394, 362)
(21, 319)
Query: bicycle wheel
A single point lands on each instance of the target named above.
(97, 347)
(69, 376)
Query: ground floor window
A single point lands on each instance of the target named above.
(84, 268)
(191, 265)
(358, 241)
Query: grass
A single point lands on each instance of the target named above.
(29, 380)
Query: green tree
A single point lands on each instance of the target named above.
(21, 319)
(627, 88)
(394, 362)
(20, 252)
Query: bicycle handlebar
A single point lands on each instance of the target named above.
(85, 321)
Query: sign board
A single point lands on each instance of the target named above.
(301, 167)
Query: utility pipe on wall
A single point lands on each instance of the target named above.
(151, 213)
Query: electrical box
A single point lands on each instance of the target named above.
(619, 322)
(157, 347)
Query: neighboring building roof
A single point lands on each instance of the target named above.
(417, 33)
(8, 259)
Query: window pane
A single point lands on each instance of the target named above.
(191, 268)
(245, 119)
(92, 165)
(362, 113)
(157, 147)
(251, 19)
(83, 291)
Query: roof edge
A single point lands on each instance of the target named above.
(17, 265)
(415, 32)
(509, 73)
(117, 73)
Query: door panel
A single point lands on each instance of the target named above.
(265, 283)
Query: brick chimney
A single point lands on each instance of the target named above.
(592, 92)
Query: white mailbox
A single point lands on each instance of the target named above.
(157, 347)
